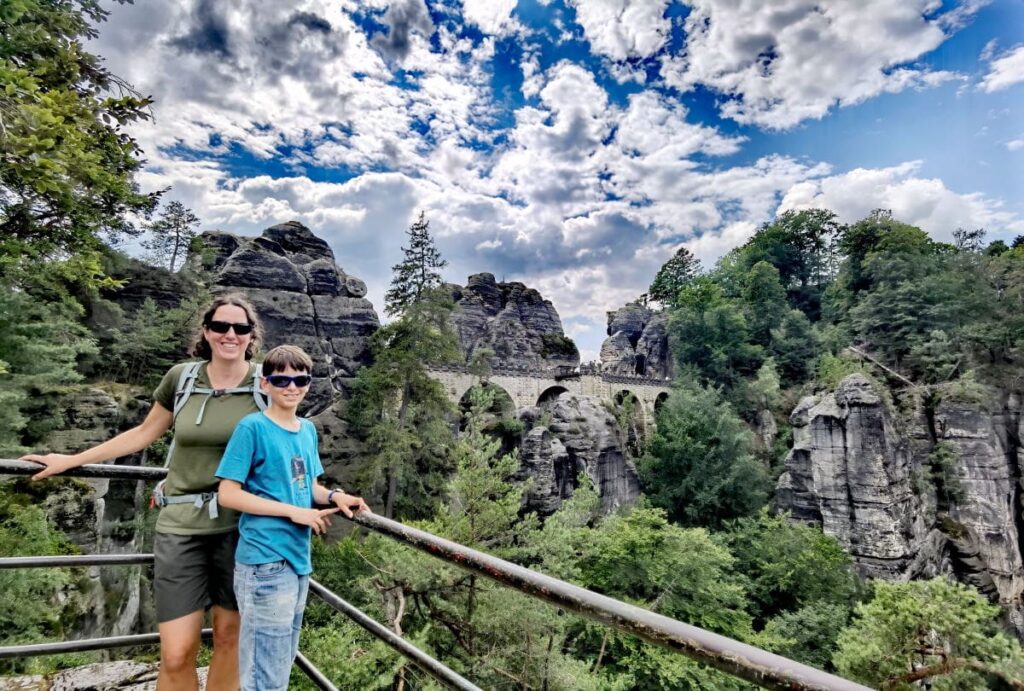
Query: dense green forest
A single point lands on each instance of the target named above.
(773, 320)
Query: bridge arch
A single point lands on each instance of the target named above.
(660, 401)
(631, 416)
(551, 394)
(502, 404)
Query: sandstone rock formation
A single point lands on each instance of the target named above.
(930, 487)
(582, 436)
(303, 298)
(637, 343)
(515, 322)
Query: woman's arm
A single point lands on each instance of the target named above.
(231, 495)
(128, 442)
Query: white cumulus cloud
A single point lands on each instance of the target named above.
(1005, 71)
(779, 63)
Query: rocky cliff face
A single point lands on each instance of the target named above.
(303, 298)
(515, 322)
(579, 436)
(637, 343)
(930, 487)
(100, 517)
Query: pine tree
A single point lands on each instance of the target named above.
(676, 273)
(171, 234)
(417, 272)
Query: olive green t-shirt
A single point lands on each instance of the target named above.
(197, 452)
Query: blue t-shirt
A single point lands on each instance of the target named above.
(274, 463)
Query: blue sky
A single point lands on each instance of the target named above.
(574, 145)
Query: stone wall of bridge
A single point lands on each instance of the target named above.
(527, 388)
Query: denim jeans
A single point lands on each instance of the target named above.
(271, 598)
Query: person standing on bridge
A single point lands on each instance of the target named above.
(194, 545)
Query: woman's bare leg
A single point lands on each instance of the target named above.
(224, 665)
(179, 645)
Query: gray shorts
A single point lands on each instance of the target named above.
(193, 572)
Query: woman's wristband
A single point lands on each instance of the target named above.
(330, 495)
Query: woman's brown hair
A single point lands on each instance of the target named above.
(201, 347)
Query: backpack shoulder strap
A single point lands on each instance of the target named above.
(186, 385)
(258, 396)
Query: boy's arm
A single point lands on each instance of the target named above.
(346, 502)
(231, 495)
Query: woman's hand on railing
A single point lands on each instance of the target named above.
(55, 463)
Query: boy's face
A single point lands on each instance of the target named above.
(289, 396)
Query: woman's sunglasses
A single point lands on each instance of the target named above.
(282, 381)
(223, 327)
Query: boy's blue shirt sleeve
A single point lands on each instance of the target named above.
(318, 467)
(238, 456)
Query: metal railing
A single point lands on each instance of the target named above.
(720, 652)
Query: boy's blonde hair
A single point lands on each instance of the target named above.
(284, 356)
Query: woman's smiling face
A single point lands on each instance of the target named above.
(228, 346)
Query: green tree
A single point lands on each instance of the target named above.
(936, 631)
(40, 343)
(765, 302)
(709, 332)
(673, 276)
(401, 412)
(789, 565)
(68, 163)
(643, 559)
(801, 245)
(30, 612)
(171, 235)
(699, 466)
(418, 272)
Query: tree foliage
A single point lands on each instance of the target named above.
(673, 276)
(941, 632)
(401, 412)
(68, 163)
(171, 235)
(699, 466)
(418, 273)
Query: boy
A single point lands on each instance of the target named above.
(269, 472)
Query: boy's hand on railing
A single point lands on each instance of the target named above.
(55, 463)
(317, 519)
(349, 503)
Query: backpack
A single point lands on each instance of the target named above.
(185, 388)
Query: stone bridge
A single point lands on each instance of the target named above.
(530, 388)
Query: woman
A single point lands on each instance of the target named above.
(194, 545)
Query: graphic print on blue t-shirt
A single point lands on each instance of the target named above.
(275, 463)
(299, 472)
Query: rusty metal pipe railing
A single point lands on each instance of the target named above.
(428, 664)
(71, 561)
(87, 644)
(730, 656)
(92, 470)
(314, 674)
(723, 653)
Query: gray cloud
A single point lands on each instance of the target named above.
(208, 33)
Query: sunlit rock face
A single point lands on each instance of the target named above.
(637, 343)
(520, 327)
(303, 298)
(574, 435)
(927, 487)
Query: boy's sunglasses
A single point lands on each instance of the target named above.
(282, 381)
(223, 327)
